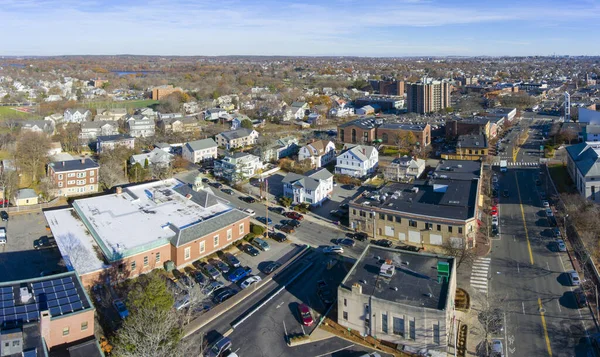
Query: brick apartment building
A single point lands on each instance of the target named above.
(74, 177)
(367, 130)
(427, 96)
(139, 228)
(160, 92)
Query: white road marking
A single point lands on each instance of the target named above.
(518, 269)
(523, 304)
(338, 350)
(558, 303)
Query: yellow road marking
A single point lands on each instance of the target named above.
(545, 329)
(524, 223)
(516, 153)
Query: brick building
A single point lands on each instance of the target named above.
(160, 92)
(139, 228)
(367, 130)
(477, 125)
(74, 177)
(427, 96)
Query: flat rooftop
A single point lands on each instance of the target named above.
(142, 217)
(441, 198)
(414, 282)
(458, 170)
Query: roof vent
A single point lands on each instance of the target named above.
(25, 294)
(395, 288)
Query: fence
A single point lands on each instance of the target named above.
(32, 208)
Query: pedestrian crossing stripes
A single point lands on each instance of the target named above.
(518, 164)
(480, 274)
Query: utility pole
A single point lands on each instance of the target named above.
(267, 204)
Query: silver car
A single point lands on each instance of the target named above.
(573, 278)
(497, 349)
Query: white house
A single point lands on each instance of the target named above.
(76, 115)
(357, 161)
(313, 188)
(405, 167)
(214, 113)
(90, 130)
(320, 153)
(38, 126)
(583, 165)
(237, 138)
(140, 126)
(295, 111)
(156, 157)
(237, 167)
(200, 150)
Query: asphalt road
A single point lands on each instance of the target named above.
(527, 275)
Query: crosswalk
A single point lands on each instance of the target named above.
(518, 164)
(479, 274)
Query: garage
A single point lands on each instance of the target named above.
(435, 239)
(414, 237)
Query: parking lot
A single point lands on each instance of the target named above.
(21, 231)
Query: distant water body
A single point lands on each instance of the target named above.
(126, 73)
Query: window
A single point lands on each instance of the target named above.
(71, 182)
(66, 331)
(202, 247)
(353, 212)
(187, 253)
(133, 265)
(60, 177)
(71, 174)
(412, 223)
(92, 173)
(381, 216)
(91, 180)
(439, 227)
(345, 302)
(363, 213)
(460, 230)
(390, 218)
(60, 184)
(158, 257)
(345, 315)
(241, 228)
(81, 174)
(398, 326)
(91, 187)
(146, 261)
(411, 329)
(398, 219)
(229, 234)
(216, 241)
(449, 229)
(436, 333)
(84, 326)
(384, 323)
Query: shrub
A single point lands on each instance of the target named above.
(285, 201)
(302, 208)
(257, 230)
(248, 237)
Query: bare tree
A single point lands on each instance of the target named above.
(460, 252)
(32, 153)
(113, 164)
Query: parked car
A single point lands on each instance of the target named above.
(249, 211)
(538, 182)
(333, 249)
(216, 184)
(44, 242)
(239, 273)
(292, 222)
(249, 281)
(261, 244)
(205, 180)
(277, 236)
(210, 270)
(573, 278)
(549, 212)
(545, 204)
(495, 220)
(265, 220)
(248, 199)
(294, 215)
(580, 298)
(182, 302)
(250, 250)
(383, 243)
(287, 229)
(346, 242)
(305, 315)
(556, 232)
(220, 348)
(276, 209)
(497, 349)
(4, 215)
(222, 294)
(121, 309)
(212, 287)
(3, 237)
(324, 292)
(271, 267)
(360, 236)
(410, 248)
(223, 268)
(494, 211)
(505, 193)
(200, 278)
(231, 259)
(228, 191)
(560, 245)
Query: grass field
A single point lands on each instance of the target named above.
(10, 113)
(123, 104)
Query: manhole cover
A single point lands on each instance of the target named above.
(542, 310)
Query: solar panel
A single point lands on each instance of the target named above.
(31, 307)
(32, 316)
(63, 301)
(66, 308)
(7, 297)
(77, 306)
(36, 286)
(67, 280)
(9, 311)
(72, 292)
(46, 284)
(61, 294)
(50, 296)
(52, 303)
(70, 285)
(59, 288)
(20, 309)
(55, 311)
(6, 290)
(73, 298)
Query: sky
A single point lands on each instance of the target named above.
(371, 28)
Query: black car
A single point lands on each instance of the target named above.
(494, 193)
(248, 199)
(361, 236)
(345, 242)
(222, 294)
(287, 229)
(292, 222)
(224, 268)
(231, 260)
(580, 298)
(505, 193)
(278, 236)
(200, 278)
(250, 250)
(4, 215)
(216, 184)
(383, 243)
(44, 242)
(538, 182)
(227, 191)
(205, 180)
(271, 267)
(279, 210)
(410, 248)
(324, 292)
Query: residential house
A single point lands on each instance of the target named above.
(74, 177)
(90, 130)
(109, 142)
(140, 126)
(401, 297)
(56, 118)
(147, 112)
(38, 126)
(114, 114)
(178, 125)
(237, 138)
(365, 110)
(25, 197)
(357, 161)
(313, 188)
(200, 150)
(214, 113)
(283, 147)
(237, 167)
(457, 126)
(583, 165)
(320, 153)
(191, 108)
(157, 157)
(76, 115)
(295, 111)
(163, 91)
(55, 148)
(161, 116)
(404, 168)
(157, 222)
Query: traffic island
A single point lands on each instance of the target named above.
(297, 339)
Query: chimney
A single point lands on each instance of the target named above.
(45, 327)
(364, 151)
(119, 190)
(83, 160)
(63, 164)
(357, 288)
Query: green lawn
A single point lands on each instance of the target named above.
(561, 178)
(10, 113)
(123, 104)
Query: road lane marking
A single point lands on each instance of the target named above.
(523, 305)
(558, 303)
(548, 266)
(545, 328)
(523, 217)
(338, 350)
(518, 269)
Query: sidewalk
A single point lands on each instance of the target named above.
(483, 245)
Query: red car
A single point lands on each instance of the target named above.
(294, 215)
(494, 211)
(305, 316)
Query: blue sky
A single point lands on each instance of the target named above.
(302, 27)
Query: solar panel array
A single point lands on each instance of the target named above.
(60, 296)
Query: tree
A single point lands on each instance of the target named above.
(137, 173)
(69, 137)
(9, 181)
(247, 124)
(460, 252)
(113, 164)
(150, 293)
(285, 201)
(47, 188)
(32, 153)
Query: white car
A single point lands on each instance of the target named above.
(210, 288)
(249, 211)
(495, 220)
(333, 249)
(249, 281)
(545, 204)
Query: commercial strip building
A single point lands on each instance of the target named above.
(469, 147)
(368, 130)
(139, 228)
(435, 211)
(401, 297)
(384, 103)
(427, 96)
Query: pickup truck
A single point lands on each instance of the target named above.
(324, 292)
